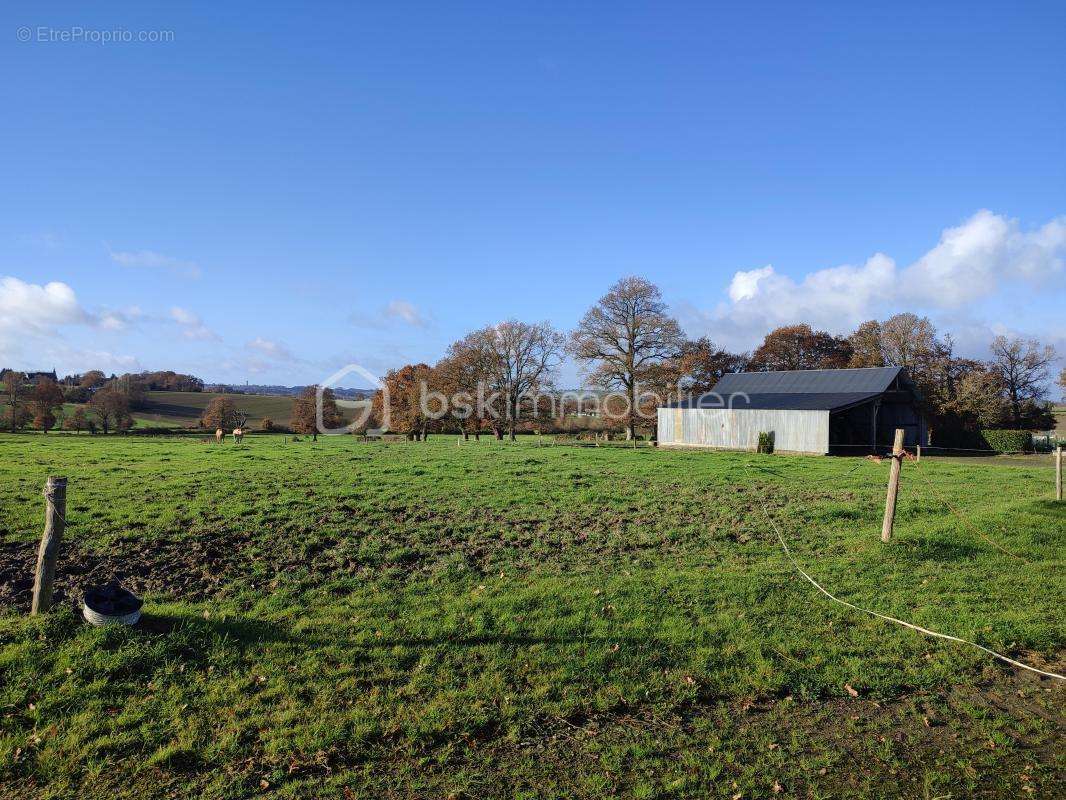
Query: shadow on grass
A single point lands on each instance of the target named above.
(942, 550)
(1052, 509)
(246, 632)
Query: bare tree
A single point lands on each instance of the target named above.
(111, 407)
(624, 338)
(1023, 365)
(866, 345)
(519, 358)
(13, 391)
(907, 340)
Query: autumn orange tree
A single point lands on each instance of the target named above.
(403, 392)
(800, 347)
(47, 398)
(304, 417)
(221, 413)
(464, 375)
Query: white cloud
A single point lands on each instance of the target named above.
(149, 259)
(397, 311)
(972, 259)
(406, 312)
(271, 349)
(970, 262)
(119, 320)
(745, 285)
(39, 309)
(192, 327)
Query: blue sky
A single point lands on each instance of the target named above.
(279, 190)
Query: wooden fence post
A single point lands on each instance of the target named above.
(1058, 472)
(917, 453)
(893, 486)
(55, 494)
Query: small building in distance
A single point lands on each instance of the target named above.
(807, 411)
(34, 378)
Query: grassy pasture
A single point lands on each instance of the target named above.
(338, 619)
(183, 409)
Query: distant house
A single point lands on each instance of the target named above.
(808, 411)
(33, 378)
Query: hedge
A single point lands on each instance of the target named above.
(1008, 441)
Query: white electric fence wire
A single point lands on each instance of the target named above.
(918, 628)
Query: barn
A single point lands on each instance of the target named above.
(807, 411)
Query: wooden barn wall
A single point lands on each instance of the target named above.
(739, 429)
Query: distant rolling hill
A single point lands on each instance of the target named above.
(183, 409)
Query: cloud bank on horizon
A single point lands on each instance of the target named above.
(959, 283)
(973, 262)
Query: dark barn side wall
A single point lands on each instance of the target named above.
(878, 419)
(853, 427)
(900, 415)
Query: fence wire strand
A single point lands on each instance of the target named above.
(894, 620)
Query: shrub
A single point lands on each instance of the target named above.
(11, 420)
(76, 421)
(1008, 441)
(267, 425)
(44, 420)
(766, 442)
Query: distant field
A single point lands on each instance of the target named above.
(183, 409)
(1060, 420)
(339, 619)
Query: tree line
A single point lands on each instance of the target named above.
(629, 344)
(103, 403)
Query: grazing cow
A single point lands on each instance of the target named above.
(219, 435)
(238, 435)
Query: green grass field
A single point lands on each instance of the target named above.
(342, 620)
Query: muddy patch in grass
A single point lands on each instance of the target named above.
(191, 569)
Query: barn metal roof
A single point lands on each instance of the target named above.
(805, 381)
(783, 401)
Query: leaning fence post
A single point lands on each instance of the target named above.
(1058, 472)
(55, 495)
(893, 486)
